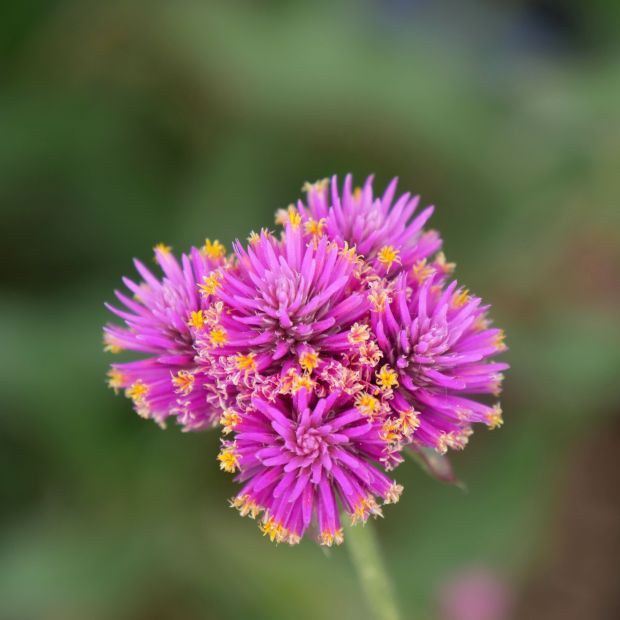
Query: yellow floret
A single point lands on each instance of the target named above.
(214, 249)
(367, 404)
(387, 378)
(388, 255)
(116, 379)
(229, 420)
(494, 418)
(210, 283)
(460, 298)
(228, 458)
(246, 362)
(358, 333)
(196, 319)
(163, 248)
(309, 360)
(183, 382)
(137, 391)
(218, 337)
(315, 227)
(422, 270)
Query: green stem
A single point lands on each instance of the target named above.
(366, 556)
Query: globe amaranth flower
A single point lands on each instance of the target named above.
(300, 458)
(285, 302)
(383, 230)
(324, 353)
(438, 341)
(159, 319)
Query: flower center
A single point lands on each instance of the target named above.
(310, 442)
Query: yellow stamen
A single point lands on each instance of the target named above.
(246, 506)
(197, 319)
(254, 238)
(218, 337)
(328, 539)
(116, 379)
(290, 215)
(364, 509)
(393, 494)
(446, 267)
(349, 252)
(494, 418)
(183, 382)
(357, 193)
(269, 527)
(137, 391)
(370, 353)
(409, 422)
(390, 431)
(309, 360)
(315, 227)
(163, 248)
(460, 298)
(228, 420)
(387, 378)
(498, 340)
(318, 186)
(213, 313)
(294, 218)
(495, 384)
(246, 362)
(111, 345)
(358, 333)
(302, 381)
(388, 255)
(214, 250)
(379, 295)
(228, 458)
(115, 349)
(422, 270)
(210, 283)
(367, 404)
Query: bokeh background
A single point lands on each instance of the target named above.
(123, 124)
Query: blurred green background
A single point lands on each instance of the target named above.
(123, 124)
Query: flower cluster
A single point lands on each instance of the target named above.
(322, 353)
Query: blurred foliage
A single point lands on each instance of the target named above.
(128, 123)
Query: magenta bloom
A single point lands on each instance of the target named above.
(438, 341)
(158, 323)
(300, 457)
(285, 300)
(383, 230)
(323, 353)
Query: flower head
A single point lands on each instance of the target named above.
(438, 344)
(299, 457)
(159, 320)
(287, 300)
(321, 353)
(383, 230)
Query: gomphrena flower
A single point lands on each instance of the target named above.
(324, 353)
(286, 301)
(159, 320)
(438, 341)
(382, 230)
(300, 458)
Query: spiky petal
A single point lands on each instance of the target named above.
(299, 457)
(159, 319)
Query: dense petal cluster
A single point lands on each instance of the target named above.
(382, 229)
(299, 457)
(323, 352)
(159, 319)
